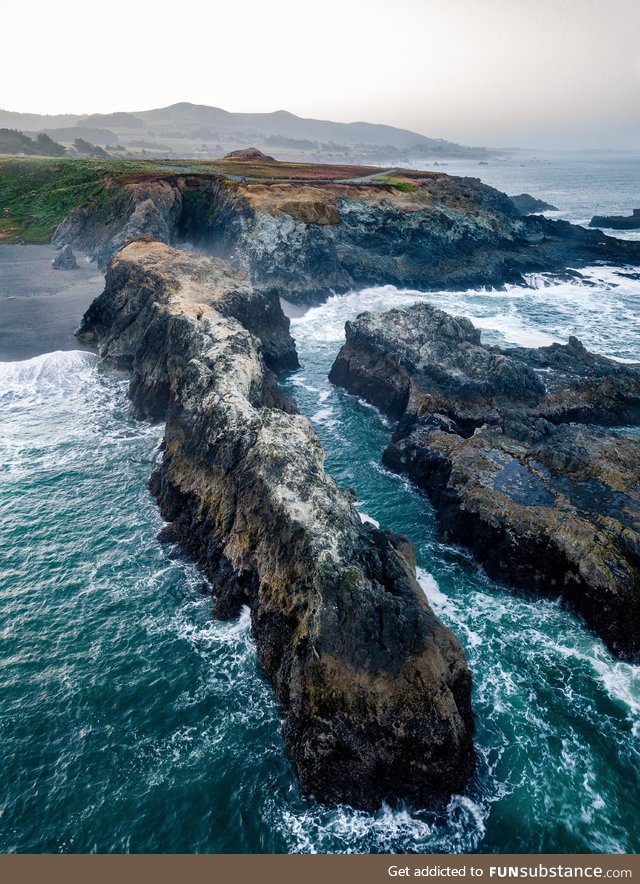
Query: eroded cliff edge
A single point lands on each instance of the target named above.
(509, 446)
(376, 689)
(307, 237)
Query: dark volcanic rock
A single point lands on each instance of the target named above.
(526, 204)
(65, 259)
(450, 233)
(419, 360)
(376, 690)
(493, 436)
(617, 222)
(304, 239)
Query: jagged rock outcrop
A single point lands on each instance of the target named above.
(138, 208)
(376, 690)
(110, 321)
(617, 222)
(304, 239)
(526, 204)
(444, 233)
(503, 442)
(65, 259)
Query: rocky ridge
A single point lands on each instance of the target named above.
(506, 444)
(376, 690)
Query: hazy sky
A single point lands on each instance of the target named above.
(496, 72)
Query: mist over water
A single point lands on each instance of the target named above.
(131, 720)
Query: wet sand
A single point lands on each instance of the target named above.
(40, 308)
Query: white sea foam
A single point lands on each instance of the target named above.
(600, 307)
(368, 519)
(57, 371)
(344, 830)
(515, 330)
(323, 416)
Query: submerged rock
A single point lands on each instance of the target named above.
(376, 690)
(65, 259)
(495, 438)
(617, 222)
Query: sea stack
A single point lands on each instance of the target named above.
(528, 205)
(65, 259)
(617, 222)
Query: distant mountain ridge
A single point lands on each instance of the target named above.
(200, 125)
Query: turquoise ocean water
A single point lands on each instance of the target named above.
(131, 720)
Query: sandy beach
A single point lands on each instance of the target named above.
(40, 307)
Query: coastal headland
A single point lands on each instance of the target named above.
(299, 230)
(375, 690)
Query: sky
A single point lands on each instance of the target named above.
(532, 73)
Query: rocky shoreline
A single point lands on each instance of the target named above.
(376, 690)
(304, 239)
(508, 445)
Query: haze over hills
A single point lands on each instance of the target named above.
(190, 130)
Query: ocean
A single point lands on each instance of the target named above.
(132, 721)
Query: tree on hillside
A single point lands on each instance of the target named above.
(13, 141)
(89, 150)
(47, 147)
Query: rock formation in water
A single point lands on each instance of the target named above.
(526, 204)
(617, 222)
(303, 239)
(505, 444)
(376, 690)
(65, 259)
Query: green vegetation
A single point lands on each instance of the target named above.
(36, 194)
(90, 150)
(401, 184)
